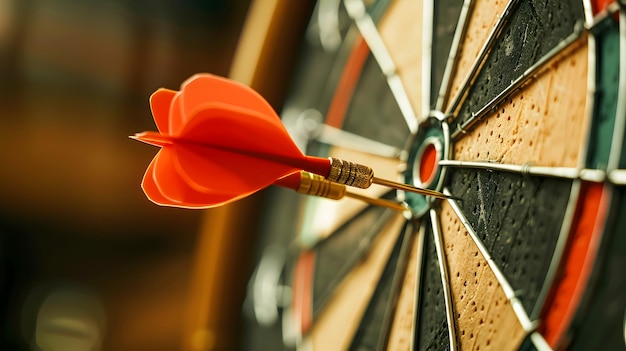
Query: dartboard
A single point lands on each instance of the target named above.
(517, 110)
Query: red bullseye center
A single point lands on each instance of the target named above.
(428, 164)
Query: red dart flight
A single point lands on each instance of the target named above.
(220, 141)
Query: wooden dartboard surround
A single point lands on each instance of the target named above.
(508, 91)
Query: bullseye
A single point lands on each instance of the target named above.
(427, 163)
(428, 147)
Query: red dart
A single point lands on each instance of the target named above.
(221, 141)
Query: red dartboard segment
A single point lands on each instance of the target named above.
(428, 163)
(601, 5)
(578, 260)
(302, 300)
(347, 83)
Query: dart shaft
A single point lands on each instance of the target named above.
(377, 202)
(411, 188)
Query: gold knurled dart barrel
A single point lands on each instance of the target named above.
(361, 176)
(313, 184)
(350, 173)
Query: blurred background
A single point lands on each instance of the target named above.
(86, 261)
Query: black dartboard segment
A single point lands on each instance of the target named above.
(532, 30)
(445, 19)
(373, 111)
(528, 345)
(431, 325)
(341, 251)
(518, 219)
(374, 326)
